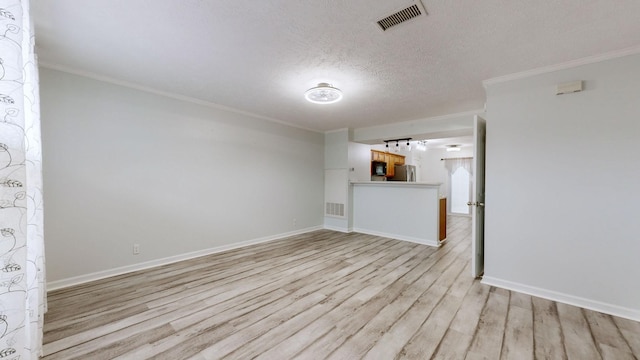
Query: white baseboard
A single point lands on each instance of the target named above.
(339, 229)
(631, 314)
(76, 280)
(399, 237)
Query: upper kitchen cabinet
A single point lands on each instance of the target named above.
(377, 156)
(389, 158)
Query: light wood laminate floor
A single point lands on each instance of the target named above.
(325, 295)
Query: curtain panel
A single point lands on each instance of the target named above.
(454, 163)
(22, 278)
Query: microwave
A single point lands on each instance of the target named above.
(379, 168)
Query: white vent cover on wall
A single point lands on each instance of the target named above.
(401, 16)
(334, 209)
(569, 87)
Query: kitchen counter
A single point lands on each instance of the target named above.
(399, 183)
(401, 210)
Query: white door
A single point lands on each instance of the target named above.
(477, 200)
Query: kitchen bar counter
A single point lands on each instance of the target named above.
(401, 210)
(396, 183)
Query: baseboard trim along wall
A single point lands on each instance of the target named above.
(338, 229)
(390, 236)
(631, 314)
(399, 237)
(77, 280)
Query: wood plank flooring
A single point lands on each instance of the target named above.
(325, 295)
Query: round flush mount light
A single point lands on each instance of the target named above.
(323, 94)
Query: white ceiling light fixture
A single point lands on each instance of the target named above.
(324, 93)
(453, 148)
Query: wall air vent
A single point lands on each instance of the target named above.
(569, 87)
(402, 16)
(334, 209)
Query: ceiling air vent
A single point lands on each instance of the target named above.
(402, 16)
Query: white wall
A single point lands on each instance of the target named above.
(336, 165)
(399, 210)
(336, 150)
(359, 162)
(123, 166)
(345, 161)
(562, 195)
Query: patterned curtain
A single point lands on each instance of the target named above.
(22, 280)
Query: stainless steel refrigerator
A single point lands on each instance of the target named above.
(404, 173)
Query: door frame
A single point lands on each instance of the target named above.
(478, 197)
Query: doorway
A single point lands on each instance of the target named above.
(460, 180)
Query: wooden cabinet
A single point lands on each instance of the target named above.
(398, 159)
(443, 219)
(391, 162)
(389, 158)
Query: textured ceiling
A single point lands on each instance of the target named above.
(260, 56)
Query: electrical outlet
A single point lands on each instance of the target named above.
(136, 249)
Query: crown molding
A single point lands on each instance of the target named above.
(336, 130)
(171, 95)
(563, 66)
(453, 115)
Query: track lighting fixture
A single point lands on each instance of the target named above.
(386, 142)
